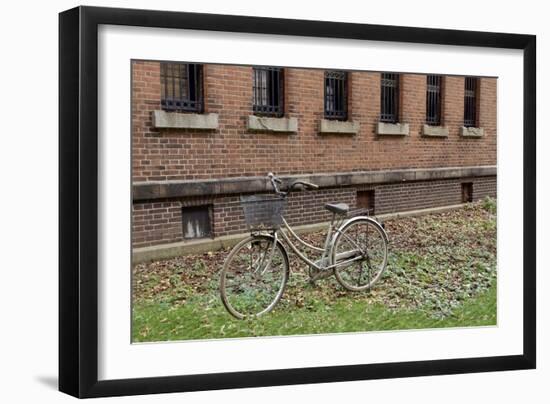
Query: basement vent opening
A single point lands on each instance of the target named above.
(467, 192)
(365, 200)
(196, 221)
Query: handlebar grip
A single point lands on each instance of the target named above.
(310, 185)
(305, 184)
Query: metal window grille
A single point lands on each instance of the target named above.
(336, 95)
(433, 100)
(268, 93)
(389, 106)
(181, 87)
(470, 101)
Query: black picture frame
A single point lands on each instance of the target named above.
(78, 201)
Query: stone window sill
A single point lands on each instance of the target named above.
(329, 126)
(435, 131)
(179, 120)
(272, 125)
(392, 129)
(471, 132)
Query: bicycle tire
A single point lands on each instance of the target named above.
(352, 234)
(244, 269)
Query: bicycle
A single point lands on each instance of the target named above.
(256, 271)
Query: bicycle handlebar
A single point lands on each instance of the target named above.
(275, 182)
(308, 185)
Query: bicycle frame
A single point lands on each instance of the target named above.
(332, 231)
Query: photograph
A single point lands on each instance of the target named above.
(273, 201)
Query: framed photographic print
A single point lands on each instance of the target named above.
(251, 201)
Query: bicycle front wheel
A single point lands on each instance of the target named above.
(361, 250)
(254, 276)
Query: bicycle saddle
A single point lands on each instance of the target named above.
(338, 208)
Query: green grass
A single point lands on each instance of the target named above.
(156, 322)
(441, 273)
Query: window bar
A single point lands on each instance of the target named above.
(254, 88)
(386, 102)
(337, 98)
(198, 88)
(193, 99)
(281, 91)
(393, 101)
(335, 103)
(271, 86)
(433, 104)
(255, 82)
(470, 90)
(396, 95)
(163, 84)
(173, 79)
(430, 100)
(334, 96)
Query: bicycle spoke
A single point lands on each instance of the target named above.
(365, 237)
(250, 286)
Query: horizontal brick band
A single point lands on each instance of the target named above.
(227, 186)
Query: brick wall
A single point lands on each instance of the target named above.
(160, 222)
(156, 222)
(393, 198)
(230, 151)
(233, 151)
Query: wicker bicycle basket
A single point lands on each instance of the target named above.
(263, 212)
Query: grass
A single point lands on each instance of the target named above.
(441, 273)
(156, 322)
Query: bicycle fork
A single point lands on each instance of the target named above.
(270, 259)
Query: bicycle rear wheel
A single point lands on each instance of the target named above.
(364, 240)
(254, 276)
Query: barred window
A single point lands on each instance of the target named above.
(268, 91)
(471, 85)
(336, 106)
(389, 103)
(433, 100)
(181, 87)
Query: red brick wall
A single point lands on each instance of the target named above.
(160, 222)
(170, 154)
(393, 198)
(156, 222)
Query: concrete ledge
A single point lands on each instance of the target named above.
(166, 251)
(471, 132)
(163, 119)
(435, 131)
(393, 129)
(266, 124)
(329, 126)
(225, 186)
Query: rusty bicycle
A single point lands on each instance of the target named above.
(256, 271)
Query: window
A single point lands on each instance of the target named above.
(389, 106)
(268, 91)
(196, 221)
(336, 106)
(181, 87)
(433, 100)
(470, 101)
